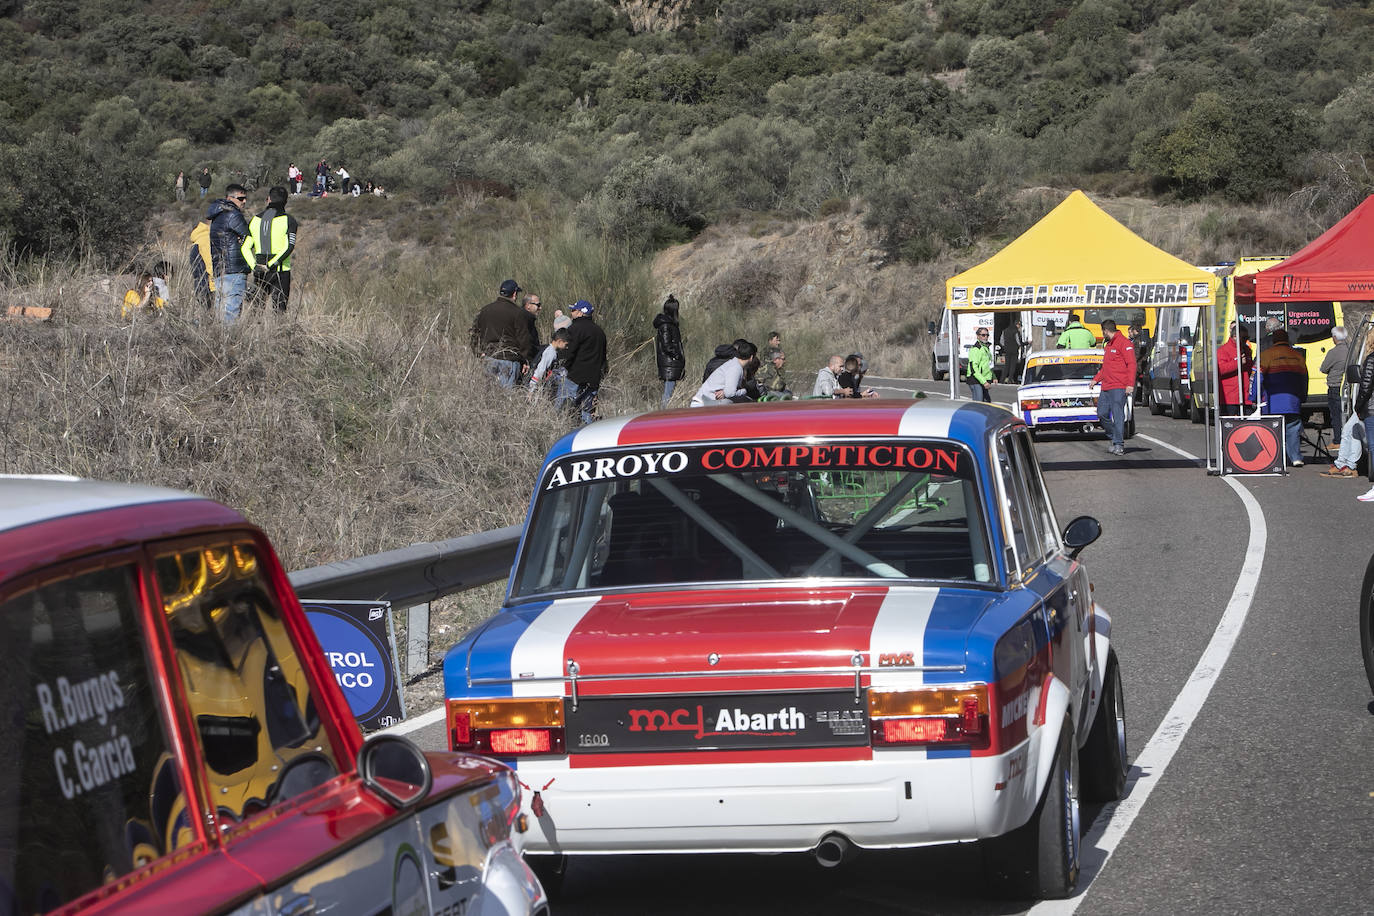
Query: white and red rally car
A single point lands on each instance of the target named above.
(802, 626)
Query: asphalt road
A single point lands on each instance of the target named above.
(1267, 803)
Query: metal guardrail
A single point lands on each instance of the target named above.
(411, 577)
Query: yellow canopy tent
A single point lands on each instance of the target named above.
(1078, 257)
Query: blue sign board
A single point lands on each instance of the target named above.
(359, 645)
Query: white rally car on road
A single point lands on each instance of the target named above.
(803, 626)
(1057, 393)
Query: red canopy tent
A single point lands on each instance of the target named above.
(1336, 266)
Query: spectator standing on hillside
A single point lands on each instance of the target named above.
(231, 258)
(1361, 406)
(179, 186)
(345, 181)
(532, 304)
(672, 361)
(726, 382)
(978, 373)
(774, 341)
(273, 232)
(585, 361)
(199, 261)
(204, 181)
(293, 178)
(321, 176)
(1075, 336)
(1235, 364)
(1117, 377)
(1284, 371)
(501, 335)
(1011, 350)
(1333, 364)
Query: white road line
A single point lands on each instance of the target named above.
(415, 724)
(1149, 765)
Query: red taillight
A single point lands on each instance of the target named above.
(931, 715)
(506, 726)
(972, 722)
(1182, 361)
(460, 731)
(512, 741)
(1030, 405)
(913, 731)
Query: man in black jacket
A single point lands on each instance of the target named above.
(501, 336)
(231, 260)
(585, 359)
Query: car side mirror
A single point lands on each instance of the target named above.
(1185, 335)
(1081, 532)
(1050, 327)
(394, 768)
(930, 327)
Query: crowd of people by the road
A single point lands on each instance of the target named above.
(570, 368)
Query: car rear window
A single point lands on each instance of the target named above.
(1061, 369)
(904, 509)
(91, 789)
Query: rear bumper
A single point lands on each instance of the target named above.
(900, 798)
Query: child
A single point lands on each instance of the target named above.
(549, 368)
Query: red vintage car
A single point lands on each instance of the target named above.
(177, 742)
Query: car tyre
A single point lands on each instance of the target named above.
(1176, 409)
(1040, 859)
(1104, 755)
(551, 871)
(1156, 408)
(1194, 412)
(934, 369)
(1129, 431)
(1367, 622)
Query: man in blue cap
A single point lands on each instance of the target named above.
(584, 358)
(501, 336)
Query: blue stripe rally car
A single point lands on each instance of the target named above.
(803, 626)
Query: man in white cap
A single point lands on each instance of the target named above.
(584, 358)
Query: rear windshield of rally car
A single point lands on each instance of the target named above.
(668, 515)
(1062, 368)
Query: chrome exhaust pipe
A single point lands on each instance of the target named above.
(834, 850)
(1089, 428)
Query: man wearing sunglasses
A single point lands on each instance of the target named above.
(231, 251)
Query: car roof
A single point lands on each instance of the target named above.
(1082, 351)
(965, 421)
(27, 499)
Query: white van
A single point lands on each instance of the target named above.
(1168, 386)
(969, 323)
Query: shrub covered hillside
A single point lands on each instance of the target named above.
(658, 117)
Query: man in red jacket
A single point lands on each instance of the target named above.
(1117, 378)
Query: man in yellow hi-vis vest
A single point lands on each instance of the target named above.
(273, 235)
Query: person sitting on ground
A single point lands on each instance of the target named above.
(726, 383)
(828, 380)
(142, 297)
(851, 378)
(1352, 445)
(772, 382)
(723, 354)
